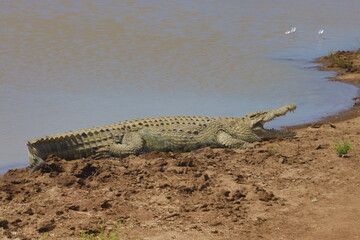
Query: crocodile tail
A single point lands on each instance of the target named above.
(71, 146)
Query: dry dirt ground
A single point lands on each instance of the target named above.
(296, 188)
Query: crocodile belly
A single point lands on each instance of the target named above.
(173, 141)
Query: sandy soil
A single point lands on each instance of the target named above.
(296, 188)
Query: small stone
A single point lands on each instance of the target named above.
(74, 207)
(206, 177)
(47, 226)
(4, 224)
(59, 213)
(106, 204)
(319, 147)
(29, 211)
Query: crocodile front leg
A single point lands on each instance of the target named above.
(227, 140)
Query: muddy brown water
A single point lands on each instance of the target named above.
(70, 65)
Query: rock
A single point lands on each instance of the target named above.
(4, 224)
(47, 226)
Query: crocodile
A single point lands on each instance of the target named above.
(176, 134)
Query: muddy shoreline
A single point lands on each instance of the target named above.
(296, 188)
(345, 75)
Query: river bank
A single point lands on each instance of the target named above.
(297, 188)
(347, 66)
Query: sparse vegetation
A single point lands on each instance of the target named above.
(102, 233)
(342, 148)
(272, 150)
(340, 61)
(44, 236)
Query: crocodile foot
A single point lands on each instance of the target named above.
(101, 153)
(36, 164)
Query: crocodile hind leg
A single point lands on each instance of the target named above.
(132, 143)
(229, 141)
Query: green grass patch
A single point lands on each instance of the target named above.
(342, 148)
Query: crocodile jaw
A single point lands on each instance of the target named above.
(267, 116)
(258, 119)
(271, 115)
(267, 134)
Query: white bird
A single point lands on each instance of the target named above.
(291, 31)
(321, 32)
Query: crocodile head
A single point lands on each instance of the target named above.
(258, 119)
